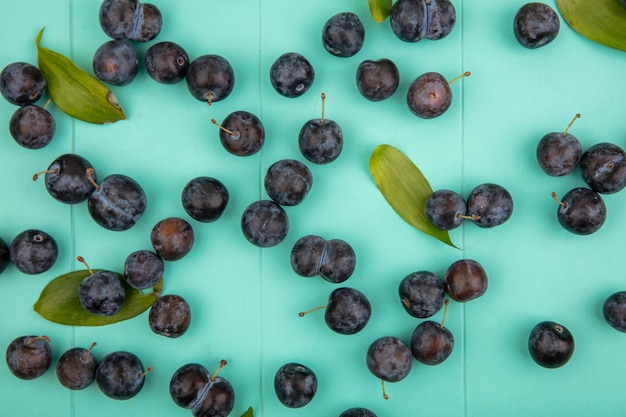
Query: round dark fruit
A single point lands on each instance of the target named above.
(264, 223)
(188, 383)
(205, 199)
(291, 75)
(5, 255)
(66, 179)
(210, 78)
(320, 140)
(489, 205)
(429, 95)
(130, 19)
(412, 20)
(32, 126)
(422, 294)
(389, 359)
(143, 269)
(172, 238)
(445, 209)
(33, 251)
(465, 280)
(241, 133)
(120, 375)
(338, 261)
(217, 399)
(29, 357)
(166, 62)
(377, 80)
(581, 211)
(117, 203)
(116, 62)
(295, 385)
(614, 310)
(343, 34)
(603, 168)
(357, 412)
(169, 316)
(22, 83)
(306, 255)
(431, 343)
(288, 182)
(558, 154)
(76, 368)
(348, 311)
(535, 25)
(550, 344)
(102, 293)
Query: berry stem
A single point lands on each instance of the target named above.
(146, 372)
(90, 178)
(84, 262)
(93, 345)
(34, 339)
(558, 200)
(222, 364)
(47, 171)
(304, 313)
(385, 396)
(455, 79)
(571, 123)
(230, 132)
(209, 99)
(445, 312)
(323, 101)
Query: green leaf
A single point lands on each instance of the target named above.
(59, 302)
(405, 188)
(248, 413)
(379, 9)
(602, 21)
(74, 91)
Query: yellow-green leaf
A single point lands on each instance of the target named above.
(76, 92)
(379, 9)
(602, 21)
(405, 188)
(248, 413)
(59, 302)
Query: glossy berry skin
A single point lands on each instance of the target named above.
(357, 412)
(422, 294)
(490, 205)
(320, 141)
(143, 269)
(465, 280)
(166, 62)
(550, 344)
(581, 211)
(210, 78)
(205, 199)
(130, 19)
(5, 255)
(535, 25)
(288, 182)
(431, 344)
(118, 203)
(187, 384)
(242, 133)
(76, 368)
(102, 293)
(413, 20)
(334, 260)
(343, 34)
(66, 179)
(389, 359)
(32, 126)
(377, 80)
(445, 209)
(33, 251)
(120, 375)
(29, 357)
(22, 83)
(295, 385)
(169, 316)
(558, 154)
(614, 311)
(172, 238)
(264, 223)
(216, 400)
(116, 62)
(291, 75)
(429, 95)
(603, 168)
(348, 311)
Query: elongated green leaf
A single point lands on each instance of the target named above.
(249, 413)
(379, 9)
(405, 188)
(74, 91)
(59, 302)
(602, 21)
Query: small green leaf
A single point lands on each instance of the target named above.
(405, 188)
(602, 21)
(76, 92)
(59, 302)
(248, 413)
(379, 9)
